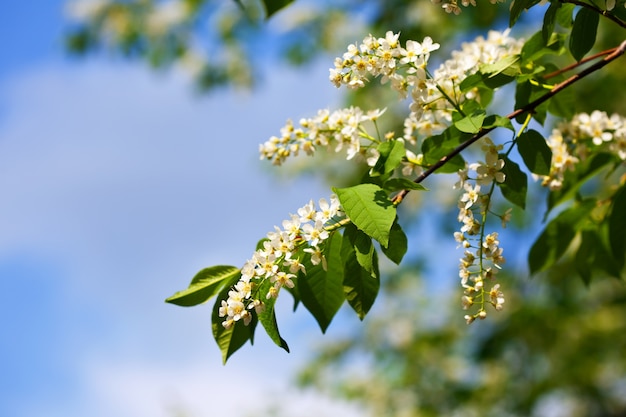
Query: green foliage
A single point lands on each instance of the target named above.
(617, 227)
(557, 236)
(206, 284)
(229, 340)
(369, 208)
(361, 283)
(321, 290)
(334, 260)
(535, 152)
(515, 184)
(584, 31)
(391, 155)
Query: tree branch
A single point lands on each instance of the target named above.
(579, 63)
(525, 109)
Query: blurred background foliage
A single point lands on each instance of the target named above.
(559, 346)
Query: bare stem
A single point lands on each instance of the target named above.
(397, 199)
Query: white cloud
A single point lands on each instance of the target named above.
(130, 184)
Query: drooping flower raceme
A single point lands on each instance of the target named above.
(281, 258)
(586, 134)
(433, 97)
(342, 129)
(482, 252)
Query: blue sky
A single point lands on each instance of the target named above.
(118, 184)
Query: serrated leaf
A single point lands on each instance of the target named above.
(397, 184)
(273, 6)
(267, 317)
(617, 226)
(505, 65)
(436, 147)
(363, 248)
(230, 340)
(391, 155)
(583, 35)
(535, 152)
(495, 120)
(204, 285)
(515, 183)
(369, 208)
(557, 236)
(472, 122)
(321, 291)
(398, 244)
(360, 288)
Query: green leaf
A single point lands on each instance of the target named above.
(564, 15)
(495, 120)
(359, 286)
(391, 155)
(584, 31)
(505, 65)
(230, 340)
(617, 226)
(535, 152)
(592, 254)
(526, 93)
(267, 317)
(321, 291)
(369, 208)
(397, 184)
(436, 147)
(204, 285)
(562, 104)
(557, 236)
(363, 248)
(549, 20)
(518, 7)
(272, 6)
(398, 244)
(515, 182)
(536, 47)
(585, 256)
(472, 122)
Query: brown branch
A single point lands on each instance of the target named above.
(604, 13)
(525, 109)
(579, 63)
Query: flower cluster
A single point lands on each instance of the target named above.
(433, 96)
(337, 130)
(281, 258)
(584, 135)
(452, 6)
(439, 95)
(483, 255)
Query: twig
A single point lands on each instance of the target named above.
(579, 63)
